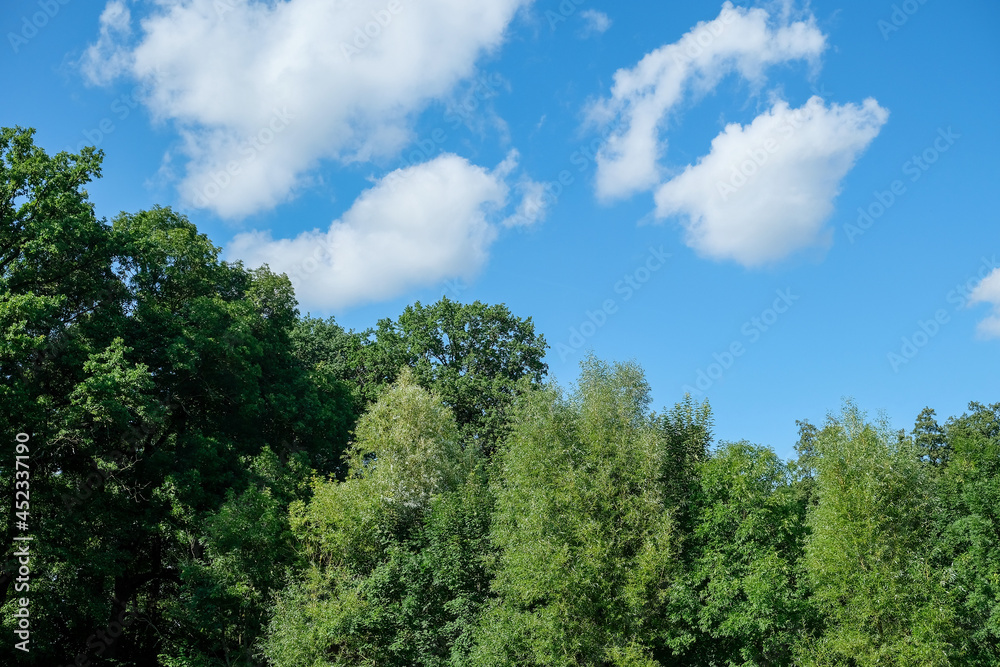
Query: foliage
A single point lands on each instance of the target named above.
(218, 481)
(969, 552)
(583, 527)
(393, 577)
(150, 376)
(869, 554)
(744, 588)
(473, 355)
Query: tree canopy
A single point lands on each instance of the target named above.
(218, 480)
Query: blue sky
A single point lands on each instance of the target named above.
(776, 205)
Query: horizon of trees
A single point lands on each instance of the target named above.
(217, 480)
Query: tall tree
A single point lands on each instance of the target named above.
(473, 355)
(583, 528)
(393, 551)
(57, 291)
(970, 549)
(150, 376)
(869, 556)
(742, 591)
(930, 439)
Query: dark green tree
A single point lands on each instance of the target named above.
(930, 439)
(151, 377)
(969, 551)
(472, 355)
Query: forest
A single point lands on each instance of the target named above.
(219, 480)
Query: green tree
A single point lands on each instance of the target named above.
(970, 546)
(150, 376)
(472, 355)
(869, 556)
(930, 439)
(742, 586)
(583, 528)
(394, 576)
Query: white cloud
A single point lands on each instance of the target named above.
(766, 189)
(745, 41)
(107, 58)
(595, 22)
(533, 206)
(416, 227)
(348, 75)
(988, 291)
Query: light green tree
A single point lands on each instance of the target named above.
(583, 527)
(391, 549)
(869, 554)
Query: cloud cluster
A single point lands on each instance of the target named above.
(738, 40)
(415, 227)
(351, 74)
(988, 291)
(765, 189)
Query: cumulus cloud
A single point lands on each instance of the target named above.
(740, 40)
(416, 227)
(107, 58)
(988, 291)
(766, 189)
(595, 22)
(348, 76)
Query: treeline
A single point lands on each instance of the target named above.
(217, 480)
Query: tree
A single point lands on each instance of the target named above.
(743, 587)
(869, 556)
(393, 577)
(57, 289)
(583, 528)
(473, 355)
(969, 550)
(150, 376)
(930, 439)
